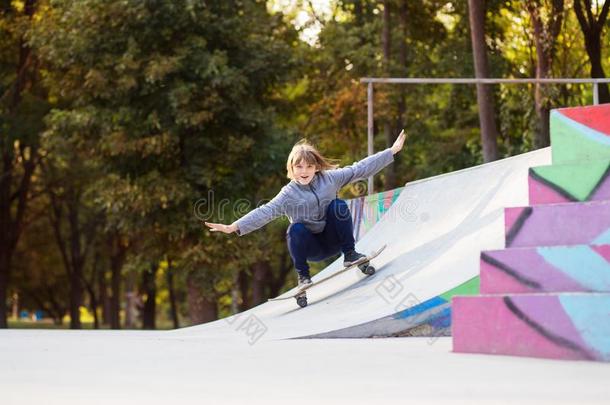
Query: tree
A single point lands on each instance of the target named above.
(592, 27)
(489, 132)
(545, 38)
(178, 101)
(22, 108)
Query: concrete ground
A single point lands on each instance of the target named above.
(122, 367)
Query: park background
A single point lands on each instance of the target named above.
(125, 123)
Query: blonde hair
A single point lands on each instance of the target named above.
(304, 151)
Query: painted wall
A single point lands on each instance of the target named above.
(558, 224)
(580, 133)
(556, 326)
(367, 210)
(551, 284)
(587, 181)
(578, 268)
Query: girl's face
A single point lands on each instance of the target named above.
(304, 172)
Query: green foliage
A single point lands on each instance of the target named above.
(155, 113)
(169, 100)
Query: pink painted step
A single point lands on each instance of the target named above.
(558, 224)
(569, 326)
(576, 268)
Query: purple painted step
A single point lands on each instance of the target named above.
(578, 268)
(571, 326)
(558, 224)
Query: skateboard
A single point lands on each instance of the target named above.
(363, 264)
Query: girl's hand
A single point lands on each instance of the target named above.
(221, 227)
(400, 141)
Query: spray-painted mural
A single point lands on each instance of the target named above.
(580, 133)
(558, 224)
(557, 326)
(588, 181)
(551, 285)
(577, 268)
(367, 211)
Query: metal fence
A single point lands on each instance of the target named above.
(398, 80)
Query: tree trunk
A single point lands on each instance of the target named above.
(104, 299)
(172, 295)
(4, 280)
(76, 298)
(117, 259)
(78, 262)
(260, 280)
(402, 55)
(5, 235)
(13, 207)
(545, 38)
(489, 131)
(359, 13)
(542, 137)
(386, 41)
(15, 305)
(235, 294)
(93, 301)
(285, 267)
(202, 308)
(132, 301)
(597, 71)
(592, 28)
(57, 309)
(72, 256)
(149, 287)
(244, 288)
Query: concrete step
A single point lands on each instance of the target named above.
(570, 326)
(580, 133)
(577, 182)
(578, 268)
(585, 223)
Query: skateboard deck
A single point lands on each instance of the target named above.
(301, 292)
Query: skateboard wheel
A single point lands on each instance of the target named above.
(302, 301)
(369, 270)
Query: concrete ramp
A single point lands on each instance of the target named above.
(434, 232)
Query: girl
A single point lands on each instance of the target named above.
(320, 223)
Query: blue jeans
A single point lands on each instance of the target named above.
(337, 236)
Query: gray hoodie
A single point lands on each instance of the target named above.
(307, 204)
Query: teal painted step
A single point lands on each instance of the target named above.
(580, 133)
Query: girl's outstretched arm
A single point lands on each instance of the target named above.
(367, 166)
(256, 218)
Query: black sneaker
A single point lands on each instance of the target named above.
(351, 257)
(304, 281)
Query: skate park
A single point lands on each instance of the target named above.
(126, 129)
(346, 329)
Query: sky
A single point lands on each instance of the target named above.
(302, 13)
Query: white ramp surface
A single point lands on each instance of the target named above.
(434, 233)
